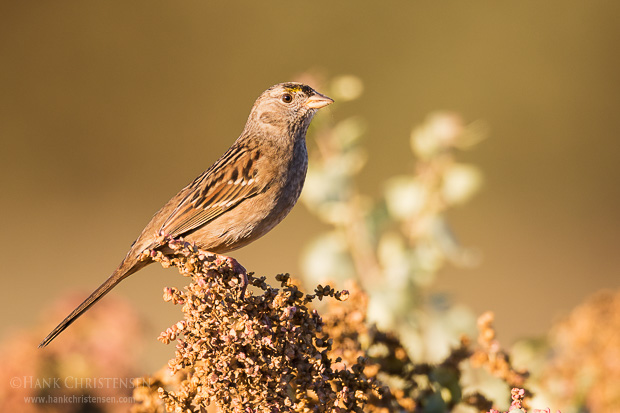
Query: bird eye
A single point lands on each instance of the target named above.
(287, 98)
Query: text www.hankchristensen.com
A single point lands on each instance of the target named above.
(78, 399)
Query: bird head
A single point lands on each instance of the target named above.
(287, 106)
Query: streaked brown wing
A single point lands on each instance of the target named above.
(225, 185)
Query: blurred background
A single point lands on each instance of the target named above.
(107, 109)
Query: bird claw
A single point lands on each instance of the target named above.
(237, 268)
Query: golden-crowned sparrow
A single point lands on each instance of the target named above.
(243, 195)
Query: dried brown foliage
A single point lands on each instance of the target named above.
(409, 387)
(270, 351)
(585, 367)
(265, 352)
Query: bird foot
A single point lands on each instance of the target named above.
(237, 268)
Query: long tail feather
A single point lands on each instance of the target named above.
(119, 275)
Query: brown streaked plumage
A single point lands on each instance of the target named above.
(243, 195)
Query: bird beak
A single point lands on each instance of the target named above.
(317, 101)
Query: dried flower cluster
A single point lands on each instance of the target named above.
(517, 404)
(491, 356)
(263, 352)
(411, 387)
(270, 351)
(353, 339)
(517, 395)
(585, 368)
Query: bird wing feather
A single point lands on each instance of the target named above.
(216, 191)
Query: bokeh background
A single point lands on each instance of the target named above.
(108, 108)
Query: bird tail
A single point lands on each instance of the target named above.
(123, 271)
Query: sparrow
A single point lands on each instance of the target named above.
(243, 195)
